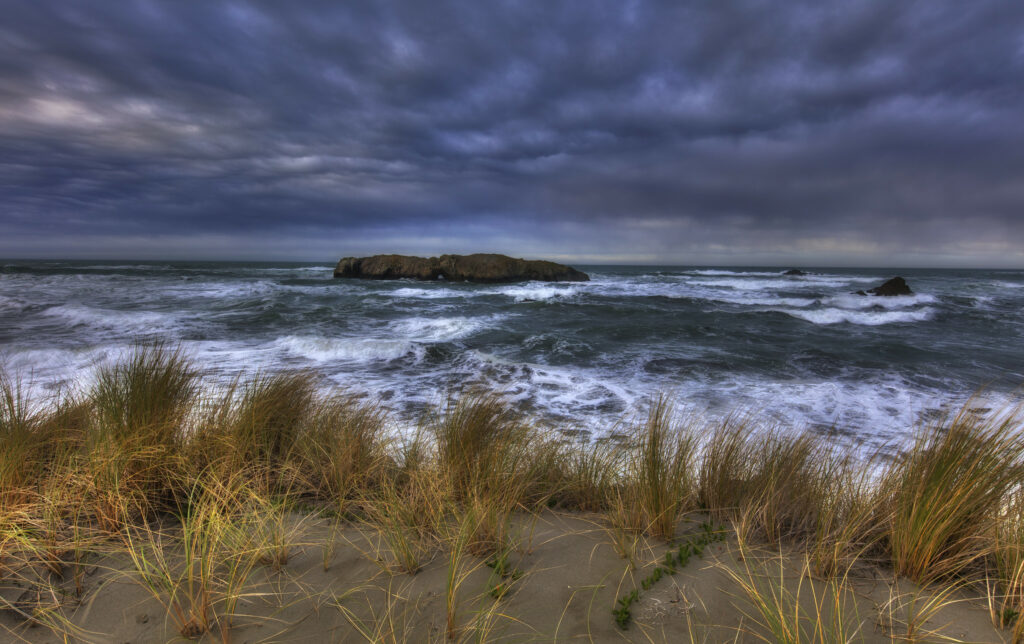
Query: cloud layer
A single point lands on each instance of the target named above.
(847, 131)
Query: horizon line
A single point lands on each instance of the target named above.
(789, 265)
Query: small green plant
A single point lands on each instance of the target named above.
(674, 561)
(504, 574)
(621, 612)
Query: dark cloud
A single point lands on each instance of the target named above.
(844, 131)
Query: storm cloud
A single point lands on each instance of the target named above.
(835, 132)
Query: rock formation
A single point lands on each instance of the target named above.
(895, 286)
(796, 272)
(480, 267)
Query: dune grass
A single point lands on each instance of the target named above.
(201, 490)
(946, 496)
(21, 441)
(660, 470)
(780, 610)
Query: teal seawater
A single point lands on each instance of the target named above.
(797, 351)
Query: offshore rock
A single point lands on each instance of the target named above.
(895, 286)
(795, 272)
(479, 267)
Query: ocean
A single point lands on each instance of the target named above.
(797, 352)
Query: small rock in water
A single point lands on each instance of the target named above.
(796, 272)
(895, 286)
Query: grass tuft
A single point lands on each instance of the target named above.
(661, 469)
(945, 496)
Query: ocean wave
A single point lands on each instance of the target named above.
(221, 290)
(720, 272)
(591, 397)
(43, 372)
(781, 283)
(422, 329)
(119, 267)
(316, 270)
(323, 349)
(852, 302)
(878, 408)
(12, 305)
(538, 293)
(439, 293)
(1002, 284)
(762, 301)
(866, 318)
(77, 315)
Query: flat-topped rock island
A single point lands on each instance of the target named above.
(478, 267)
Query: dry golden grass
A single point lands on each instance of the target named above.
(200, 491)
(945, 498)
(660, 470)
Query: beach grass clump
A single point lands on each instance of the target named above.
(344, 447)
(796, 478)
(269, 417)
(482, 443)
(63, 427)
(145, 399)
(787, 607)
(20, 441)
(660, 469)
(946, 495)
(141, 406)
(726, 463)
(847, 525)
(585, 475)
(775, 485)
(494, 463)
(199, 566)
(409, 510)
(1006, 566)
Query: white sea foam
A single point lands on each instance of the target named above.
(854, 302)
(77, 315)
(125, 267)
(782, 283)
(326, 271)
(423, 329)
(42, 372)
(538, 293)
(866, 318)
(12, 305)
(222, 290)
(876, 409)
(763, 301)
(592, 397)
(322, 349)
(439, 293)
(717, 272)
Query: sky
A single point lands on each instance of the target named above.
(825, 132)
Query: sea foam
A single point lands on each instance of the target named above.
(866, 318)
(323, 349)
